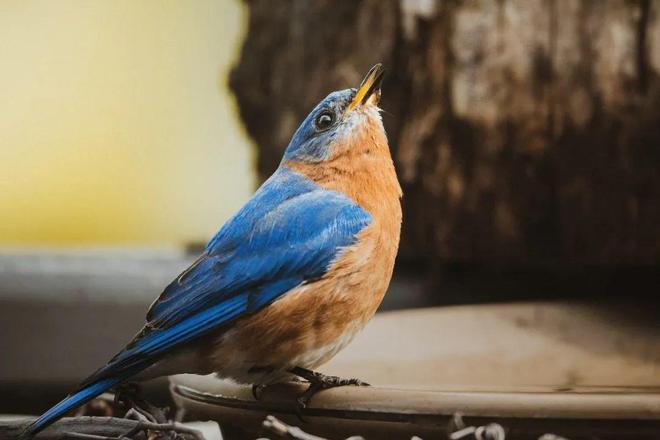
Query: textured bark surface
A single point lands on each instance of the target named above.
(524, 131)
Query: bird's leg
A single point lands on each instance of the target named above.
(129, 395)
(125, 394)
(318, 382)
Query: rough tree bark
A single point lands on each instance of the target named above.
(524, 131)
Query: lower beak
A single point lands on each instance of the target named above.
(369, 90)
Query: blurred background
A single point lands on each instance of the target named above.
(526, 136)
(117, 124)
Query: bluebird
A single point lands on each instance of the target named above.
(291, 278)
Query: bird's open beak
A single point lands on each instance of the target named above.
(369, 89)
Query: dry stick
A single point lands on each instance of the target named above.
(95, 428)
(280, 428)
(287, 431)
(171, 427)
(144, 426)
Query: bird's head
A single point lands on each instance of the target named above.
(338, 121)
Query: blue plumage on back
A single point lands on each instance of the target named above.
(287, 234)
(291, 229)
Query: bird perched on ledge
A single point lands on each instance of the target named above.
(292, 277)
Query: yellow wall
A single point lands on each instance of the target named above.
(116, 125)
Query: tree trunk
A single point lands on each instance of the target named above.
(523, 131)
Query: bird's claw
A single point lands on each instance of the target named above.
(319, 382)
(128, 395)
(335, 381)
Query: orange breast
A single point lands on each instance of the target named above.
(308, 325)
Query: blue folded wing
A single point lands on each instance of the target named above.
(288, 234)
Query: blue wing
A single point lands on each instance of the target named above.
(287, 234)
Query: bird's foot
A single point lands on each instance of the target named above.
(129, 396)
(319, 382)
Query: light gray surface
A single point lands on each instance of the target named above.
(134, 275)
(64, 313)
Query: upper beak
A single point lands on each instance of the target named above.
(370, 87)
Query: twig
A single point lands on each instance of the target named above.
(171, 427)
(96, 428)
(145, 426)
(458, 430)
(280, 428)
(89, 436)
(293, 432)
(287, 431)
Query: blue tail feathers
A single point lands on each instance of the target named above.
(76, 399)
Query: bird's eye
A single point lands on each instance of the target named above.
(324, 120)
